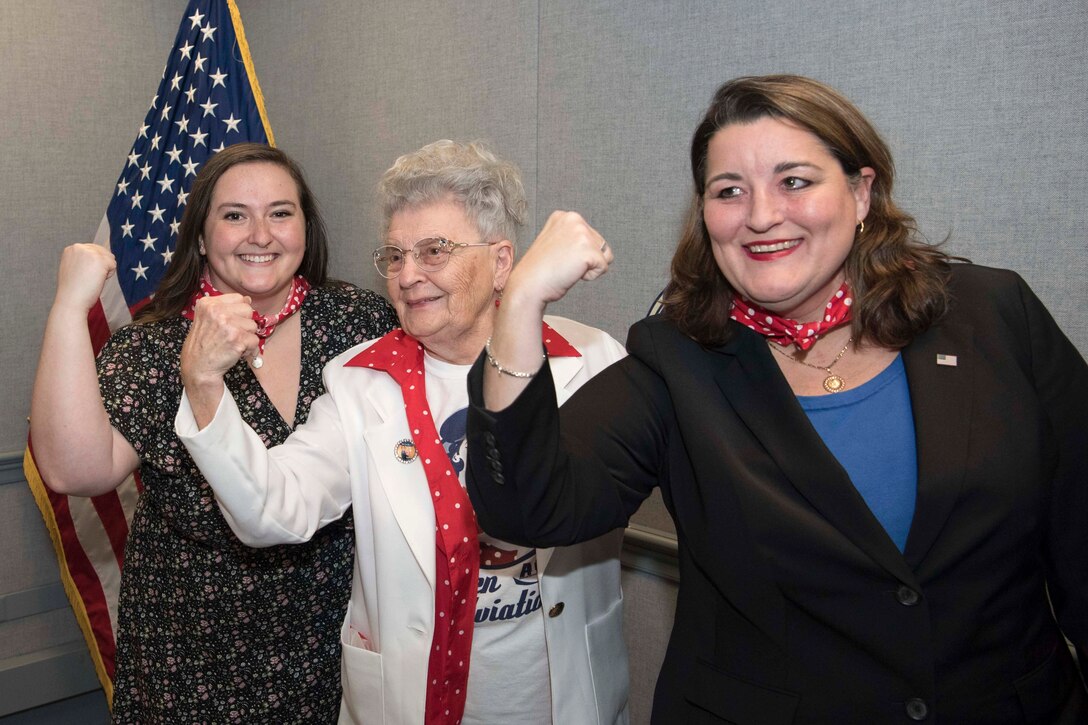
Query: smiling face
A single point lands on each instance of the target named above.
(451, 311)
(255, 234)
(781, 215)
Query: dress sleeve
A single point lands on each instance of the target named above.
(1061, 379)
(539, 476)
(140, 386)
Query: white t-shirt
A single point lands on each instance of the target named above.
(508, 674)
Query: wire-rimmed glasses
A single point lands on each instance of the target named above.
(431, 255)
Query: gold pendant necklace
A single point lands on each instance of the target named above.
(832, 383)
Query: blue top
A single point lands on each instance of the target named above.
(870, 430)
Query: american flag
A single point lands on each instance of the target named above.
(208, 99)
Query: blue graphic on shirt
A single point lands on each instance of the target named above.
(452, 434)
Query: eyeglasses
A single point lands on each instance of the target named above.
(431, 255)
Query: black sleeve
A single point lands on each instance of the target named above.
(1060, 375)
(541, 477)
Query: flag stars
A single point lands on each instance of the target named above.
(167, 256)
(198, 138)
(208, 31)
(209, 108)
(149, 242)
(175, 154)
(140, 270)
(132, 159)
(190, 168)
(175, 82)
(166, 112)
(122, 187)
(157, 213)
(183, 196)
(155, 140)
(191, 93)
(143, 131)
(183, 124)
(186, 50)
(218, 78)
(222, 145)
(166, 184)
(232, 123)
(174, 227)
(199, 61)
(145, 171)
(197, 17)
(137, 199)
(126, 228)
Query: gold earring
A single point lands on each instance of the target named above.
(861, 227)
(200, 248)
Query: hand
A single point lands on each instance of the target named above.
(567, 250)
(83, 271)
(223, 332)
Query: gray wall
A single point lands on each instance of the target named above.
(984, 102)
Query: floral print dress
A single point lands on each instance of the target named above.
(210, 630)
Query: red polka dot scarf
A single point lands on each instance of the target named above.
(266, 324)
(457, 555)
(785, 331)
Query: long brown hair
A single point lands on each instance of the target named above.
(897, 279)
(183, 276)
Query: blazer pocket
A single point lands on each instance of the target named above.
(608, 664)
(1044, 690)
(362, 679)
(737, 701)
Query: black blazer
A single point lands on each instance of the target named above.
(794, 605)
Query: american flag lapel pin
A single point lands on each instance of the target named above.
(949, 360)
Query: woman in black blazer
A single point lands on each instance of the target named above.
(876, 459)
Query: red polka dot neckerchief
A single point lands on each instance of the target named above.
(266, 324)
(785, 331)
(457, 555)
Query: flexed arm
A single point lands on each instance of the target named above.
(272, 496)
(567, 250)
(76, 448)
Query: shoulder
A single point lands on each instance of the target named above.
(589, 341)
(980, 294)
(360, 313)
(339, 368)
(970, 280)
(651, 335)
(148, 337)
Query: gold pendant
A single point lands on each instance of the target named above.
(834, 384)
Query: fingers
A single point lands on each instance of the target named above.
(222, 333)
(568, 249)
(83, 271)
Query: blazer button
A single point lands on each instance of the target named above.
(907, 596)
(490, 438)
(556, 610)
(917, 709)
(498, 478)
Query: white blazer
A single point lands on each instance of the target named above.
(344, 456)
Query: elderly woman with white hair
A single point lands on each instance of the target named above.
(431, 595)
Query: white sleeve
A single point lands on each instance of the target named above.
(270, 496)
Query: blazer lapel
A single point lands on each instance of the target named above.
(762, 398)
(939, 365)
(404, 484)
